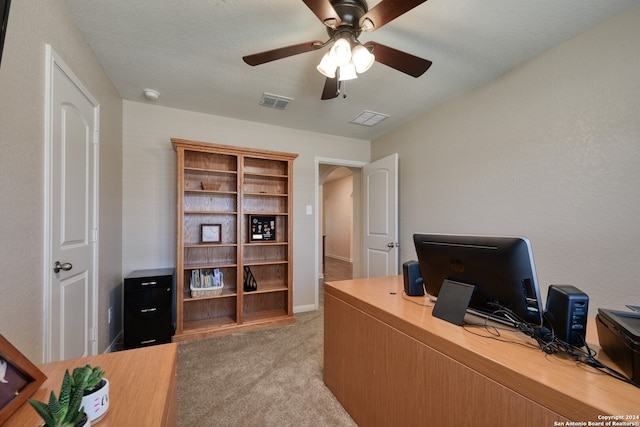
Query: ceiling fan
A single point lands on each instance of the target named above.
(345, 21)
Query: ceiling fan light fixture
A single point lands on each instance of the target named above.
(327, 66)
(347, 72)
(345, 20)
(362, 58)
(341, 52)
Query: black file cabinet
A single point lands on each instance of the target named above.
(148, 307)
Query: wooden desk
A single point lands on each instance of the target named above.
(390, 362)
(142, 389)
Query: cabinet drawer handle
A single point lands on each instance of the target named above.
(148, 341)
(148, 283)
(148, 310)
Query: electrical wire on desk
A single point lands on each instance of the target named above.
(493, 332)
(404, 297)
(548, 342)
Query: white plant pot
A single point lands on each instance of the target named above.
(96, 403)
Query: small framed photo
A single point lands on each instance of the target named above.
(210, 233)
(19, 379)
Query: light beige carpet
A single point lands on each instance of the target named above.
(270, 377)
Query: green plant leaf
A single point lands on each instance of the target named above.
(65, 411)
(65, 392)
(43, 410)
(75, 401)
(92, 376)
(78, 417)
(56, 408)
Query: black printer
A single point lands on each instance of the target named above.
(619, 336)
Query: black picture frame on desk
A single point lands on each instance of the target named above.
(19, 379)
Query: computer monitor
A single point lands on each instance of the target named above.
(500, 267)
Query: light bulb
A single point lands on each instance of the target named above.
(362, 58)
(347, 72)
(327, 66)
(341, 52)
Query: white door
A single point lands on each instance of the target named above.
(380, 235)
(71, 176)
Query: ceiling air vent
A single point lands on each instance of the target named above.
(369, 118)
(275, 101)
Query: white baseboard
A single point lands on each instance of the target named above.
(304, 308)
(341, 258)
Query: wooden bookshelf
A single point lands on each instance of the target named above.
(233, 187)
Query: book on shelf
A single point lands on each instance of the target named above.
(206, 278)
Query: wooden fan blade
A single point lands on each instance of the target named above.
(283, 52)
(385, 12)
(401, 61)
(325, 12)
(330, 89)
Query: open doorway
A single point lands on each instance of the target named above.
(337, 223)
(374, 202)
(338, 228)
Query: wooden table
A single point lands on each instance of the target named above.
(142, 387)
(390, 362)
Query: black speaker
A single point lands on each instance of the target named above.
(566, 312)
(413, 283)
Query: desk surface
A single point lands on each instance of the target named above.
(141, 387)
(570, 389)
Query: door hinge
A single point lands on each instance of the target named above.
(96, 137)
(94, 334)
(94, 235)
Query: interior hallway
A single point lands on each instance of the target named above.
(334, 269)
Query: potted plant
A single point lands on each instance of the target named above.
(95, 391)
(65, 410)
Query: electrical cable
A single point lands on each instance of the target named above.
(548, 342)
(405, 295)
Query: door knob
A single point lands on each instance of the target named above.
(57, 266)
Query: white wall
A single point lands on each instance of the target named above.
(149, 180)
(338, 222)
(551, 151)
(32, 24)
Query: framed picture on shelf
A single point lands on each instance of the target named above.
(262, 228)
(210, 233)
(19, 379)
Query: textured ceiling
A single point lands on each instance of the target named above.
(191, 52)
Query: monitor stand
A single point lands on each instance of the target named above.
(453, 300)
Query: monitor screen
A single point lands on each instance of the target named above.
(501, 268)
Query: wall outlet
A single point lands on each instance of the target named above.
(110, 315)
